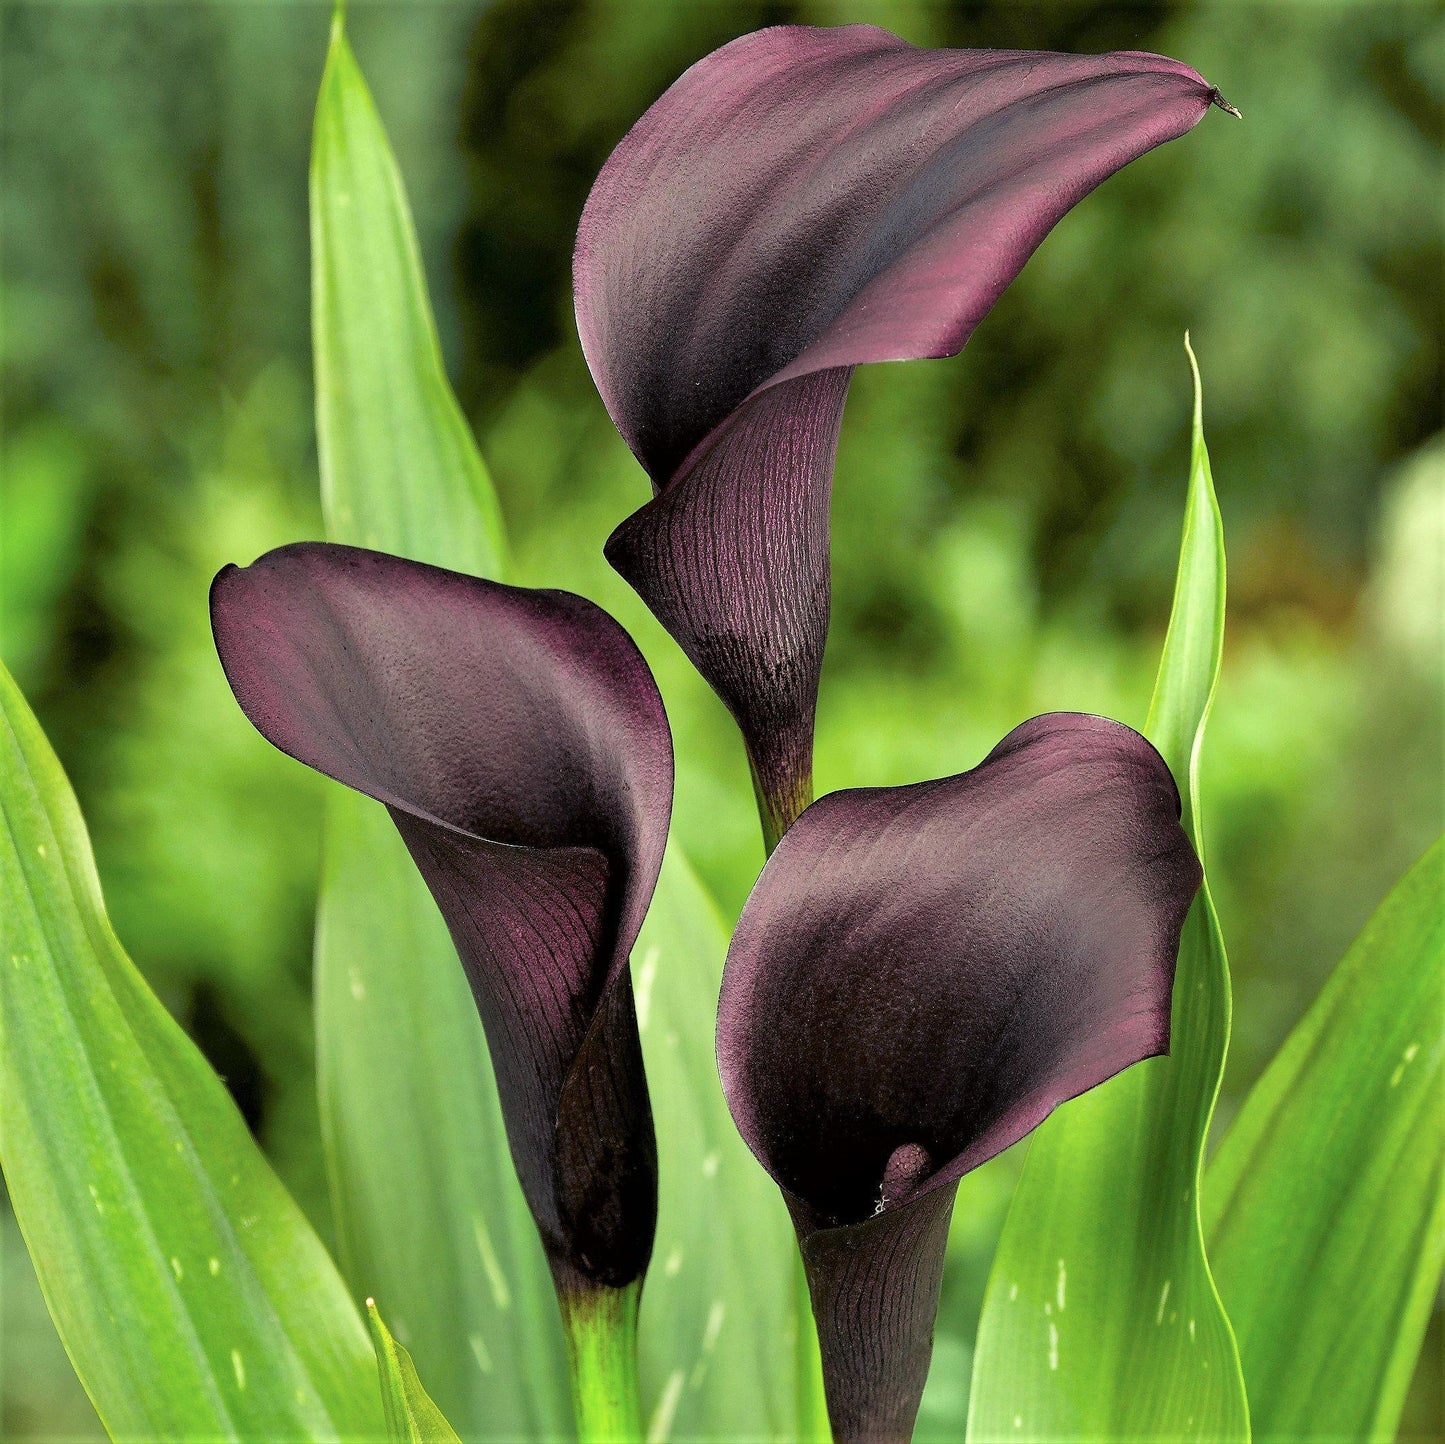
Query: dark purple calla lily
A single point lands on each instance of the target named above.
(520, 744)
(921, 975)
(799, 202)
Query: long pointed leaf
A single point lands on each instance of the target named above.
(400, 470)
(1325, 1205)
(429, 1212)
(1101, 1319)
(411, 1417)
(192, 1295)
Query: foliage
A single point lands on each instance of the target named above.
(1326, 1202)
(1001, 522)
(411, 1417)
(189, 1290)
(1101, 1318)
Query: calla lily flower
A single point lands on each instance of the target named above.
(518, 740)
(799, 202)
(920, 976)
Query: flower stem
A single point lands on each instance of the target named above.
(777, 814)
(780, 805)
(601, 1328)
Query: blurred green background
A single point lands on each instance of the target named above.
(1005, 524)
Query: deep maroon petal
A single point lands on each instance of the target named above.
(519, 742)
(733, 561)
(952, 960)
(799, 202)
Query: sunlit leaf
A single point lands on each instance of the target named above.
(411, 1417)
(1325, 1206)
(716, 1359)
(1101, 1319)
(431, 1219)
(192, 1295)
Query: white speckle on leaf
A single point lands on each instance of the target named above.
(358, 987)
(1018, 1421)
(1163, 1299)
(501, 1294)
(710, 1333)
(673, 1264)
(1061, 1285)
(1406, 1058)
(715, 1316)
(238, 1364)
(1048, 1307)
(1191, 1331)
(176, 1268)
(642, 991)
(41, 849)
(479, 1352)
(662, 1416)
(710, 1164)
(1013, 1292)
(95, 1198)
(214, 1266)
(1053, 1346)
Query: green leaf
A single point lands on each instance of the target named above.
(411, 1417)
(192, 1295)
(716, 1359)
(1101, 1318)
(429, 1213)
(1325, 1205)
(400, 470)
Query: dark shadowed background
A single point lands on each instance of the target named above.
(1005, 523)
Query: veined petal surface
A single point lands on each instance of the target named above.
(921, 975)
(519, 742)
(799, 202)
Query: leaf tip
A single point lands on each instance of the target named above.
(376, 1325)
(1198, 385)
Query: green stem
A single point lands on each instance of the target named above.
(777, 814)
(601, 1328)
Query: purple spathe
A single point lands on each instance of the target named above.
(919, 977)
(520, 745)
(800, 202)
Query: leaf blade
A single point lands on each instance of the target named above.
(190, 1292)
(1101, 1317)
(400, 470)
(1325, 1209)
(403, 1066)
(718, 1302)
(411, 1417)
